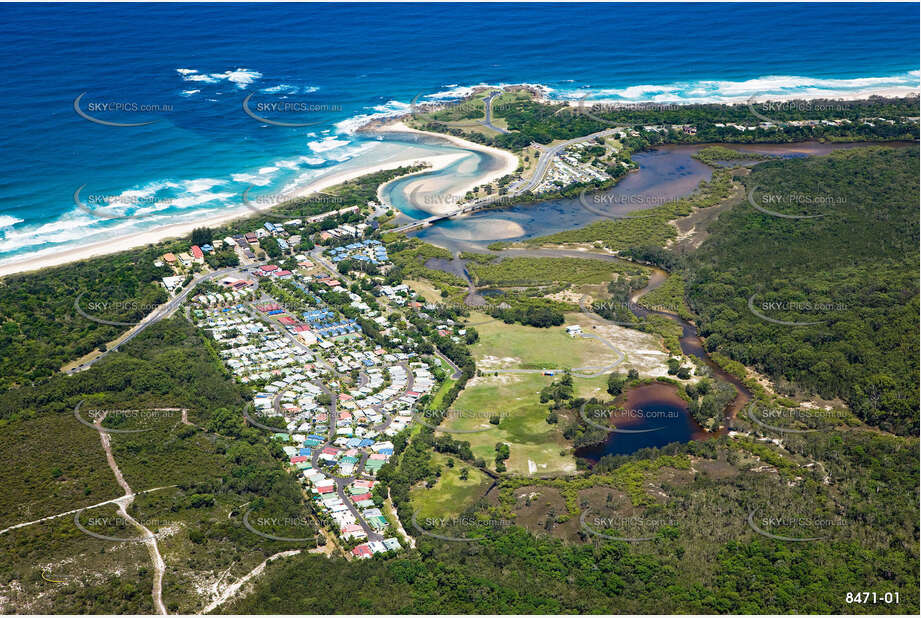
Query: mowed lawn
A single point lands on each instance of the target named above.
(515, 398)
(514, 346)
(450, 495)
(536, 447)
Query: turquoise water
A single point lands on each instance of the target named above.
(188, 68)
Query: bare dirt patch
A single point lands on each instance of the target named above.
(488, 363)
(693, 230)
(643, 351)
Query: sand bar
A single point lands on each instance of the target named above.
(179, 230)
(508, 163)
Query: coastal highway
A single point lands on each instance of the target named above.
(153, 317)
(547, 155)
(543, 164)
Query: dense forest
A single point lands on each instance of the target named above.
(813, 282)
(40, 330)
(851, 275)
(214, 463)
(531, 121)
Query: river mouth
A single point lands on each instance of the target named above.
(664, 174)
(667, 171)
(653, 414)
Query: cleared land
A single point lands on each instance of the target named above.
(514, 346)
(450, 495)
(516, 399)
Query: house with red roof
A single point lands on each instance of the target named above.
(362, 551)
(197, 254)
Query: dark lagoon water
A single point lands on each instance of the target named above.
(664, 174)
(667, 173)
(653, 409)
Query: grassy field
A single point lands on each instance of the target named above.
(425, 289)
(514, 346)
(515, 398)
(537, 447)
(450, 495)
(443, 390)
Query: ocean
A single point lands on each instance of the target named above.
(180, 75)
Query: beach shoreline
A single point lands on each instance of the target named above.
(893, 92)
(396, 124)
(508, 164)
(178, 230)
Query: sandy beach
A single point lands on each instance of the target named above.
(178, 230)
(816, 95)
(508, 164)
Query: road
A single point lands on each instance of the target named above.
(320, 360)
(547, 155)
(488, 122)
(82, 508)
(342, 482)
(164, 310)
(150, 539)
(543, 164)
(457, 370)
(235, 587)
(317, 255)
